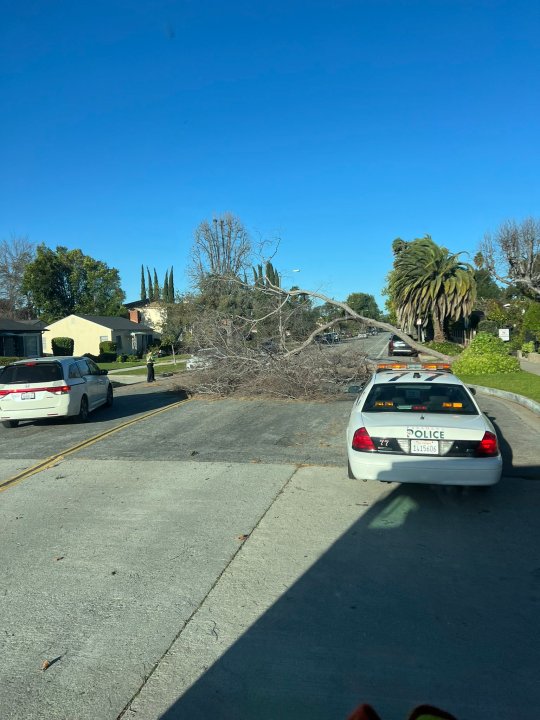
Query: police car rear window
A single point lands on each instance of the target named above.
(419, 397)
(31, 373)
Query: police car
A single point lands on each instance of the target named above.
(418, 423)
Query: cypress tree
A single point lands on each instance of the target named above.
(166, 288)
(157, 293)
(150, 288)
(171, 286)
(143, 285)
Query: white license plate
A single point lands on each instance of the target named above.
(28, 396)
(424, 447)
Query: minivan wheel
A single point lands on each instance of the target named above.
(10, 423)
(110, 397)
(83, 410)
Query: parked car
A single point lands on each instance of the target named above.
(328, 338)
(397, 346)
(420, 424)
(52, 387)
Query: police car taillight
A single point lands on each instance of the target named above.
(487, 447)
(362, 442)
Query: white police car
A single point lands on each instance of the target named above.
(420, 424)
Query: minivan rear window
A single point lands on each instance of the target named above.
(31, 373)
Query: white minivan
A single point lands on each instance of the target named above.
(52, 387)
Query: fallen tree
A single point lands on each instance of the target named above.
(234, 361)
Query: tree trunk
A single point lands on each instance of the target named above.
(438, 329)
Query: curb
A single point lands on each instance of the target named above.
(504, 395)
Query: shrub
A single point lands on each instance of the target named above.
(488, 326)
(484, 344)
(95, 358)
(531, 321)
(7, 360)
(132, 358)
(528, 347)
(447, 348)
(62, 345)
(485, 364)
(486, 354)
(107, 351)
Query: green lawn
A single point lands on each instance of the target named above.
(160, 367)
(520, 382)
(128, 365)
(119, 365)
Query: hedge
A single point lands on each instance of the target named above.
(62, 345)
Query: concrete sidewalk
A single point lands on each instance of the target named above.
(530, 367)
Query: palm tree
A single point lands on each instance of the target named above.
(429, 281)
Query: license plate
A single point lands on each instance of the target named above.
(28, 396)
(424, 447)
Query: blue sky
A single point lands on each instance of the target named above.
(335, 126)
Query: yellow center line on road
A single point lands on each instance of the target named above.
(55, 459)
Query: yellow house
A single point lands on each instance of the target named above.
(88, 331)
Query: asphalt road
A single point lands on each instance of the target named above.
(214, 560)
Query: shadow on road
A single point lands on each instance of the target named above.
(431, 596)
(528, 472)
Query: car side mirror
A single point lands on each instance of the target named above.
(355, 389)
(104, 372)
(472, 390)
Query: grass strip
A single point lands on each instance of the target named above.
(159, 368)
(520, 382)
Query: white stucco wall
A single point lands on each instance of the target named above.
(87, 335)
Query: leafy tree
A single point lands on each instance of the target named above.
(486, 287)
(531, 323)
(143, 285)
(15, 255)
(428, 281)
(364, 304)
(60, 282)
(512, 255)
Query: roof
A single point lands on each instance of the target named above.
(115, 323)
(17, 326)
(137, 304)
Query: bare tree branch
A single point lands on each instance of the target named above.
(512, 255)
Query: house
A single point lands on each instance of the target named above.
(88, 331)
(21, 338)
(153, 314)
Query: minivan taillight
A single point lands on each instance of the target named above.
(62, 390)
(362, 442)
(487, 447)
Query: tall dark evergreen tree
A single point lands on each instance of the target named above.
(157, 292)
(143, 285)
(150, 286)
(171, 286)
(166, 298)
